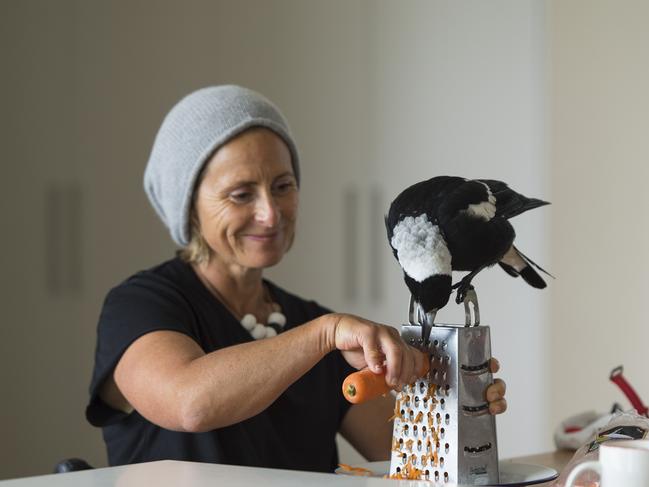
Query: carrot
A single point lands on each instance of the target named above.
(364, 385)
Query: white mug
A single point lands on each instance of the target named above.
(622, 463)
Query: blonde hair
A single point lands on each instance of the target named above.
(197, 251)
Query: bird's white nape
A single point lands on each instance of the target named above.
(421, 248)
(485, 209)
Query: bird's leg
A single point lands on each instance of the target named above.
(464, 284)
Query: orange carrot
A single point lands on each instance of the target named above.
(364, 385)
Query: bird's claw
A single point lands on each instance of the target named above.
(462, 289)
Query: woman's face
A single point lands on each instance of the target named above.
(247, 200)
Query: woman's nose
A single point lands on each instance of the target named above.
(267, 211)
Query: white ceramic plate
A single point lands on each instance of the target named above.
(511, 473)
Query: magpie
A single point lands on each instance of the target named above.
(449, 223)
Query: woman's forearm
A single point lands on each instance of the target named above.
(169, 380)
(235, 383)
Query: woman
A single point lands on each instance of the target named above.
(201, 358)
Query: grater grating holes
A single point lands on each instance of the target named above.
(436, 450)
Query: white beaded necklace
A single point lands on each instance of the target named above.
(276, 320)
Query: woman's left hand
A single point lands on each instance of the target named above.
(495, 393)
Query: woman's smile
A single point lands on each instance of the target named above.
(263, 237)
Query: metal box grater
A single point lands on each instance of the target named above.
(443, 431)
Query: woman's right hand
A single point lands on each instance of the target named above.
(364, 343)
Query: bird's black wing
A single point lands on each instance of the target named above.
(422, 197)
(460, 199)
(509, 203)
(474, 243)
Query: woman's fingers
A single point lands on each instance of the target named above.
(381, 347)
(494, 365)
(495, 396)
(372, 352)
(395, 359)
(498, 407)
(496, 391)
(400, 360)
(408, 371)
(403, 362)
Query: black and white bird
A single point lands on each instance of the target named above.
(450, 224)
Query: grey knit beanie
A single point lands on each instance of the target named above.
(191, 132)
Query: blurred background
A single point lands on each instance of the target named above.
(550, 96)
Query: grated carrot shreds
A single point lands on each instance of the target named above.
(408, 473)
(430, 393)
(395, 445)
(397, 411)
(355, 470)
(409, 445)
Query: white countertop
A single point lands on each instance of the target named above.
(168, 473)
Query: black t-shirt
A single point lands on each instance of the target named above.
(297, 431)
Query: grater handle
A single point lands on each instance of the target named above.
(471, 298)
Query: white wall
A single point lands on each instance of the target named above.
(379, 95)
(600, 165)
(447, 90)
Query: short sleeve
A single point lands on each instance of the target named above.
(141, 305)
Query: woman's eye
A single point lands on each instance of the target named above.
(284, 187)
(241, 196)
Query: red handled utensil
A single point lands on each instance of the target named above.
(629, 392)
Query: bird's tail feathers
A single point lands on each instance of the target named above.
(533, 278)
(508, 269)
(531, 262)
(528, 273)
